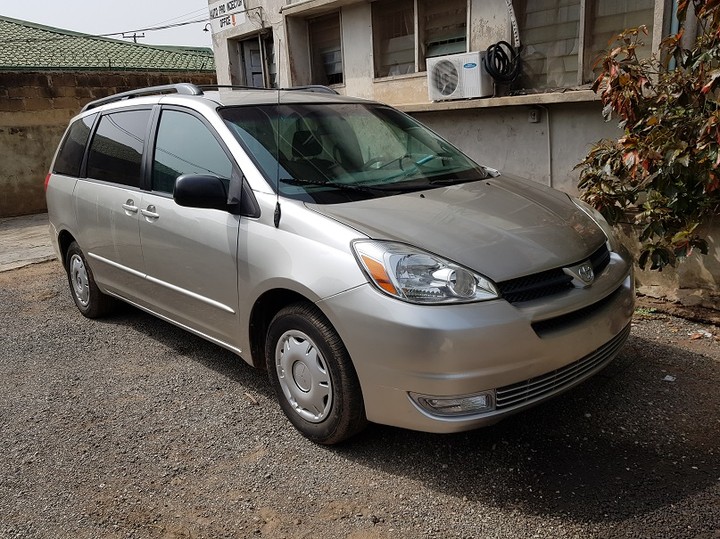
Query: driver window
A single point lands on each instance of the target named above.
(184, 145)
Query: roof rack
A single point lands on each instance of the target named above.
(186, 88)
(230, 87)
(183, 88)
(319, 88)
(309, 88)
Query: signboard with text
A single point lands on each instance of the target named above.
(226, 14)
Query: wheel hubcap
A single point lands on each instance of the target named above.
(79, 280)
(303, 376)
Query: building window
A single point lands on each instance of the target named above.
(609, 18)
(550, 34)
(406, 32)
(443, 26)
(394, 37)
(326, 49)
(553, 33)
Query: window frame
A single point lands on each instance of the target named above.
(314, 76)
(585, 57)
(80, 173)
(143, 154)
(151, 147)
(268, 59)
(419, 38)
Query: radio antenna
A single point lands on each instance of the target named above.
(278, 212)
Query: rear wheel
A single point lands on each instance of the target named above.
(90, 301)
(313, 375)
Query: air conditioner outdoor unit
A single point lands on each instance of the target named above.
(459, 76)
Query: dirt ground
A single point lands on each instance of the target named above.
(129, 427)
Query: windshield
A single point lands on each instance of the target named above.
(330, 153)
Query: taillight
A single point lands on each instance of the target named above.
(47, 180)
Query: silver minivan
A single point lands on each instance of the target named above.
(375, 271)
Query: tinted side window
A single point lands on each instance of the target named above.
(185, 145)
(116, 149)
(72, 149)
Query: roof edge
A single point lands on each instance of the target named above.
(72, 33)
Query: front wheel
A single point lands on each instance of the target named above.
(90, 301)
(313, 375)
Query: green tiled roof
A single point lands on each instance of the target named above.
(26, 45)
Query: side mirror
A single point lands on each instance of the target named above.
(200, 191)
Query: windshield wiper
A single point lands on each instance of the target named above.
(341, 186)
(488, 173)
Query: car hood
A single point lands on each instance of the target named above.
(503, 227)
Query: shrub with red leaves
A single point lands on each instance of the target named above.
(663, 174)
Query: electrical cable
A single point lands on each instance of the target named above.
(193, 14)
(84, 35)
(153, 28)
(502, 61)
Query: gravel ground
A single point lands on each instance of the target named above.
(131, 428)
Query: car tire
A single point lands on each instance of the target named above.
(90, 301)
(313, 376)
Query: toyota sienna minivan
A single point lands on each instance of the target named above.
(373, 269)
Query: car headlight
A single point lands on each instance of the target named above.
(416, 276)
(600, 221)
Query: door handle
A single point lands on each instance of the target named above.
(130, 206)
(150, 212)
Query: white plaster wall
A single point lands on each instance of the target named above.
(575, 127)
(298, 72)
(223, 66)
(503, 138)
(356, 21)
(489, 24)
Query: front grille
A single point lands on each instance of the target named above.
(549, 282)
(535, 286)
(600, 259)
(535, 389)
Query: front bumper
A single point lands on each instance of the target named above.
(523, 354)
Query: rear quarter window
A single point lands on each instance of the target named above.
(72, 147)
(117, 147)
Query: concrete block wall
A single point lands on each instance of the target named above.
(545, 151)
(34, 111)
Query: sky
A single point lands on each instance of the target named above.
(111, 16)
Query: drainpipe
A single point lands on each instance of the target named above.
(674, 29)
(549, 144)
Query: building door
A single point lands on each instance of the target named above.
(252, 61)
